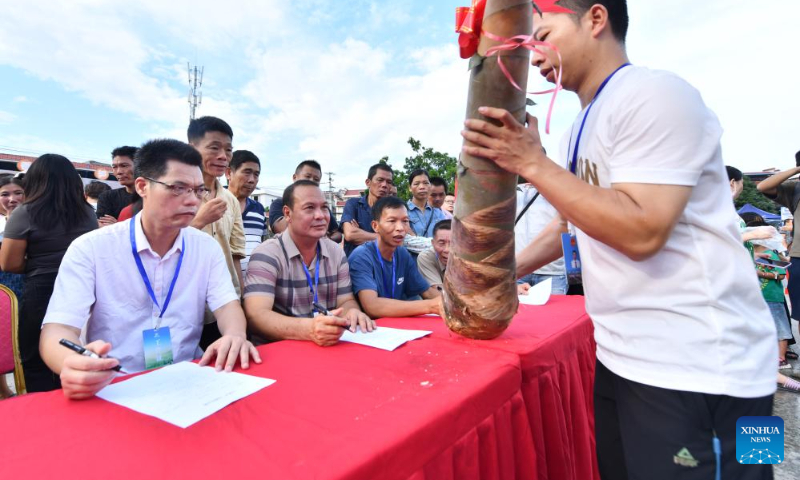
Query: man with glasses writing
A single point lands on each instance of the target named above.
(146, 311)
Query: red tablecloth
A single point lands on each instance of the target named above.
(442, 407)
(555, 345)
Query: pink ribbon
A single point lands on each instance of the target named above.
(527, 42)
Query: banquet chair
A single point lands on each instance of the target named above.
(10, 360)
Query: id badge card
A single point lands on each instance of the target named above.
(572, 258)
(157, 348)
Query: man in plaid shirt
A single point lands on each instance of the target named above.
(298, 284)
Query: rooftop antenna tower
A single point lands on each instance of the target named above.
(195, 95)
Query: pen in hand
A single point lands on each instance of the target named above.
(324, 311)
(87, 353)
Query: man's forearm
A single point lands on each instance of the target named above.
(51, 352)
(348, 305)
(273, 325)
(198, 224)
(237, 265)
(359, 236)
(386, 307)
(543, 249)
(231, 320)
(279, 226)
(770, 184)
(335, 236)
(635, 228)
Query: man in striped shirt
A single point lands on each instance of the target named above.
(298, 284)
(242, 175)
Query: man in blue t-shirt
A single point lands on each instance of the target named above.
(357, 215)
(385, 277)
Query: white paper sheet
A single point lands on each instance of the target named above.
(385, 338)
(183, 393)
(539, 294)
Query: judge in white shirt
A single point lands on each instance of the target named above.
(148, 277)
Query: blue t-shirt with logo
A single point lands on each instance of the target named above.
(370, 272)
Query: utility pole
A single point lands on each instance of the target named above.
(195, 82)
(331, 196)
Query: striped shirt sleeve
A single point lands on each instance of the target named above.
(263, 270)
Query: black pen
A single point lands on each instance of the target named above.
(319, 309)
(316, 307)
(87, 353)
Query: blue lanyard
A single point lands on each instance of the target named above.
(383, 273)
(313, 288)
(143, 273)
(574, 162)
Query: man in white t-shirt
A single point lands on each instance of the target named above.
(528, 225)
(685, 342)
(141, 286)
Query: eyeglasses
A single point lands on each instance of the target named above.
(181, 190)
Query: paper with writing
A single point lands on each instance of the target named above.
(184, 393)
(385, 338)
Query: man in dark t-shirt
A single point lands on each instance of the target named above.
(112, 202)
(357, 215)
(306, 170)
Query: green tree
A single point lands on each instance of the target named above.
(755, 198)
(438, 164)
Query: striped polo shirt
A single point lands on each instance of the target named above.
(255, 227)
(277, 271)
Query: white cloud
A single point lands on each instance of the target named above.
(92, 48)
(20, 99)
(211, 25)
(383, 13)
(6, 117)
(350, 110)
(86, 50)
(351, 102)
(738, 57)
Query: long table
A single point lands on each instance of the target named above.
(556, 349)
(442, 407)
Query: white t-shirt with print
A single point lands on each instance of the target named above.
(691, 317)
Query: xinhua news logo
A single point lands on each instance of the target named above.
(759, 440)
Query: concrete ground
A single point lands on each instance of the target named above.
(787, 406)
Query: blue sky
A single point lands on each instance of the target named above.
(346, 82)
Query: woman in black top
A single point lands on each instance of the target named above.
(54, 214)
